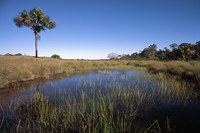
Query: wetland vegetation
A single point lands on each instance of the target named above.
(150, 91)
(99, 96)
(28, 68)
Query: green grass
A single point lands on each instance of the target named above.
(93, 110)
(189, 71)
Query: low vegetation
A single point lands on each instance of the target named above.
(14, 69)
(95, 107)
(189, 71)
(92, 109)
(55, 56)
(18, 68)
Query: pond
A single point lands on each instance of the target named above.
(102, 101)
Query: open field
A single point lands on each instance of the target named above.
(14, 68)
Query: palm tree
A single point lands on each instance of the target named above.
(37, 21)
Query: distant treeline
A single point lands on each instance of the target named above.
(183, 51)
(8, 54)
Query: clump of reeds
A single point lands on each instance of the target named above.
(189, 71)
(95, 107)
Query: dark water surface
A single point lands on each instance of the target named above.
(124, 78)
(177, 108)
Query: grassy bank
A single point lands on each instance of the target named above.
(189, 71)
(14, 68)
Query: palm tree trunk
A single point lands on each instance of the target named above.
(36, 45)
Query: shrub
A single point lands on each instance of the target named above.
(55, 56)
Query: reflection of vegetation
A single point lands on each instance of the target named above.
(98, 107)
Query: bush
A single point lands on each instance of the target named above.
(55, 56)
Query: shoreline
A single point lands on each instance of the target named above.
(15, 71)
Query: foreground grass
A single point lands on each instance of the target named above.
(96, 107)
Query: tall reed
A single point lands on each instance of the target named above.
(94, 107)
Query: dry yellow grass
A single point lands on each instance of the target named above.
(20, 68)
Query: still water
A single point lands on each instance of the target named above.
(171, 104)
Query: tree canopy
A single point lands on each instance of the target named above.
(37, 21)
(183, 51)
(113, 56)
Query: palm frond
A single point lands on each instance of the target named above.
(35, 19)
(50, 25)
(23, 20)
(18, 21)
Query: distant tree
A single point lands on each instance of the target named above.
(153, 47)
(187, 51)
(134, 55)
(55, 56)
(37, 21)
(197, 43)
(119, 56)
(8, 54)
(18, 54)
(197, 50)
(113, 56)
(150, 52)
(163, 55)
(146, 53)
(173, 46)
(184, 51)
(123, 57)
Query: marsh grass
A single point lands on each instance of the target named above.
(189, 71)
(94, 107)
(14, 68)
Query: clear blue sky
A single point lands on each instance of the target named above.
(91, 29)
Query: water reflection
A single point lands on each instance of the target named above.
(163, 101)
